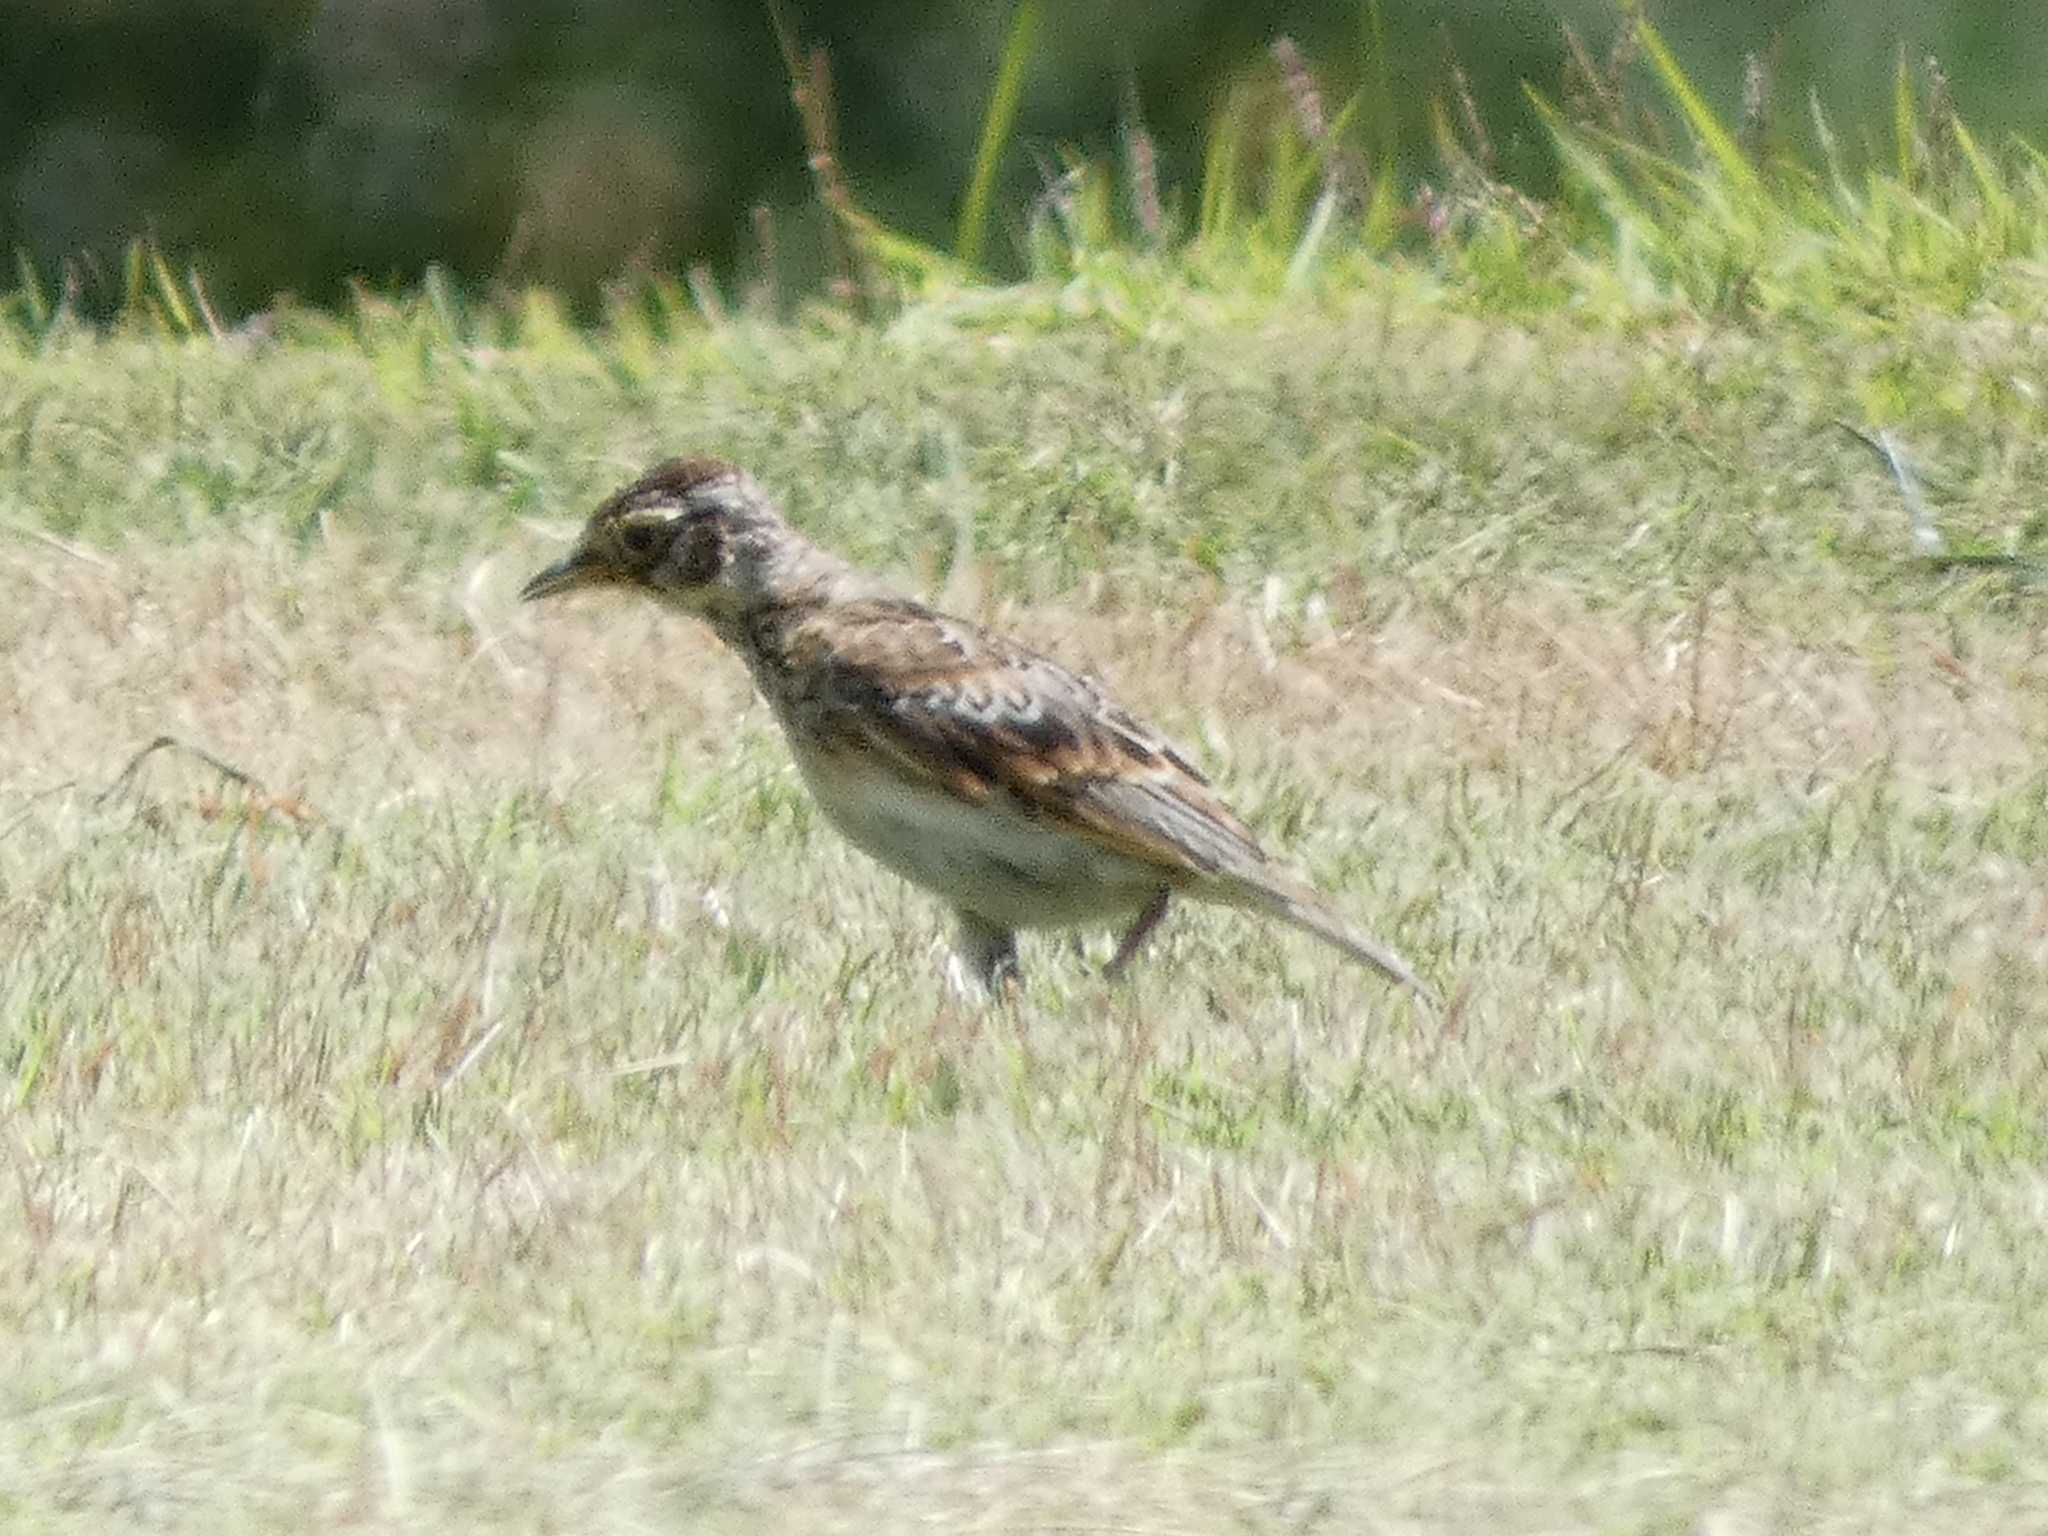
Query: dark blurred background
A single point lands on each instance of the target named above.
(286, 145)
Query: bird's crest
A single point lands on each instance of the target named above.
(678, 477)
(670, 480)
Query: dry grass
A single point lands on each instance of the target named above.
(522, 1113)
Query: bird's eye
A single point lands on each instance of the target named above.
(639, 539)
(702, 556)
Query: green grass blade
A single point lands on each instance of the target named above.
(1720, 143)
(912, 260)
(995, 133)
(1290, 168)
(31, 292)
(1382, 221)
(1997, 201)
(1905, 120)
(134, 283)
(1625, 211)
(1220, 161)
(176, 313)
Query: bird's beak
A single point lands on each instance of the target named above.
(573, 570)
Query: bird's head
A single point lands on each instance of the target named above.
(696, 534)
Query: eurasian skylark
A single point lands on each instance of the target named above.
(1021, 793)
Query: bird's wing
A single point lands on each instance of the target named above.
(951, 705)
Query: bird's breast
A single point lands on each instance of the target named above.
(995, 857)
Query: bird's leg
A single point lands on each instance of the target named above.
(1146, 921)
(986, 958)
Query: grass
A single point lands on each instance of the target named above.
(520, 1112)
(507, 1107)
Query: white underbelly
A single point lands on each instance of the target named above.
(992, 859)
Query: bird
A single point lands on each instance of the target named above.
(1018, 791)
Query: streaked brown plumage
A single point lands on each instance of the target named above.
(1018, 791)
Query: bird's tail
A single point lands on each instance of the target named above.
(1301, 906)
